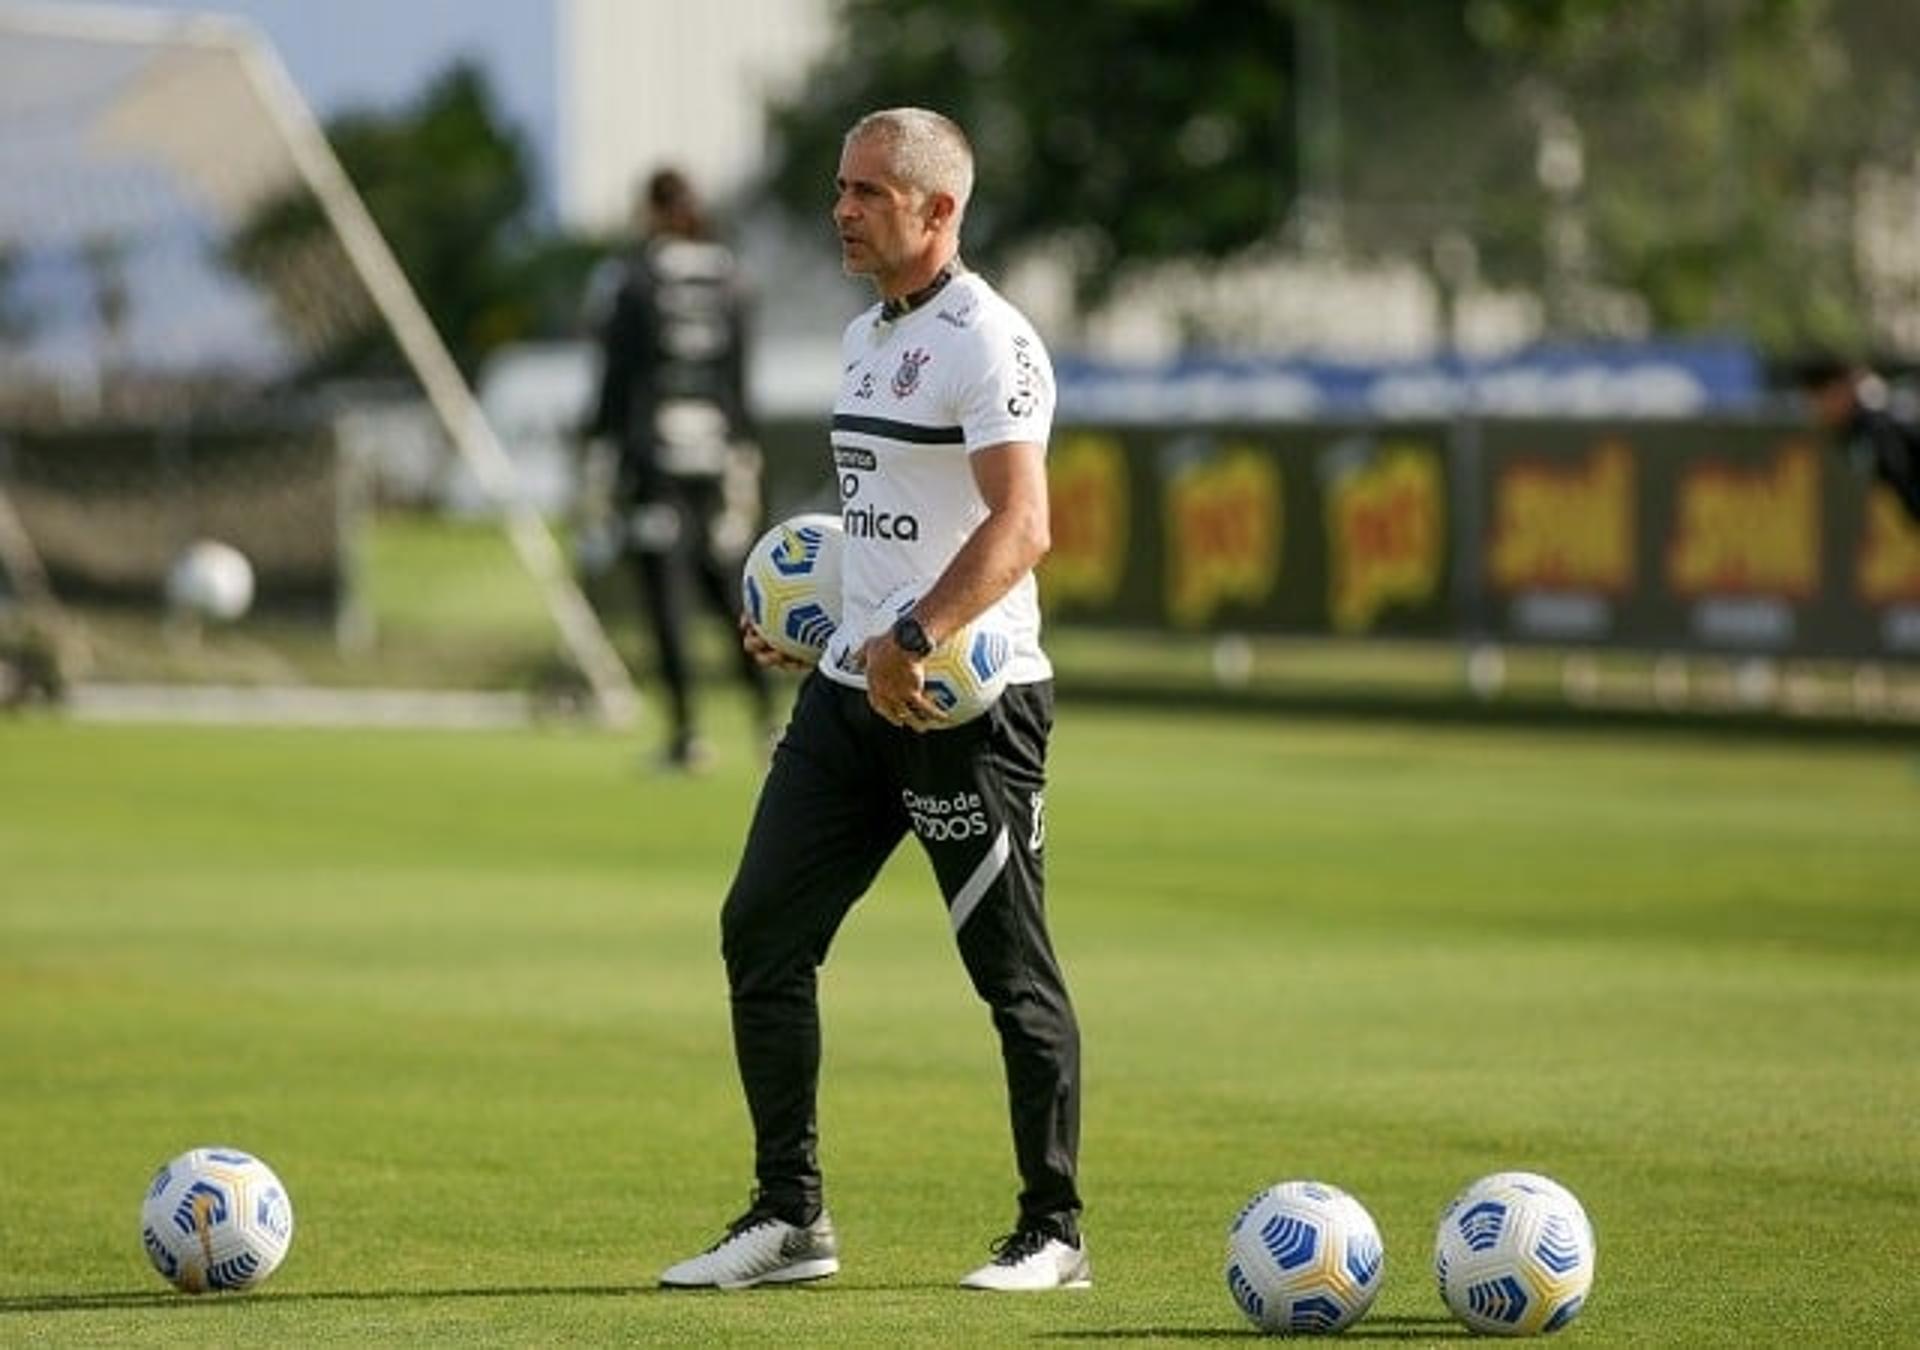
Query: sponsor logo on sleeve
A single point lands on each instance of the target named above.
(1026, 378)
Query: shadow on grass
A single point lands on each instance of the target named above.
(1368, 1329)
(54, 1303)
(110, 1300)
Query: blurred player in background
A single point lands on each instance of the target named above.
(672, 401)
(939, 443)
(1854, 405)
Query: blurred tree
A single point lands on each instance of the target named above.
(449, 185)
(1148, 130)
(1639, 165)
(1126, 128)
(1718, 158)
(1598, 151)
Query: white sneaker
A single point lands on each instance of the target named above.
(1030, 1260)
(760, 1249)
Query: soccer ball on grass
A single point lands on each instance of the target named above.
(1304, 1256)
(1514, 1255)
(790, 584)
(216, 1218)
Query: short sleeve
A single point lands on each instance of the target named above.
(1007, 391)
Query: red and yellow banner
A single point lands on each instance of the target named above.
(1385, 535)
(1565, 526)
(1087, 490)
(1889, 566)
(1747, 531)
(1223, 522)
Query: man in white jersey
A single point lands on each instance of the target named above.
(939, 444)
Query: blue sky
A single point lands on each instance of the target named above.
(381, 53)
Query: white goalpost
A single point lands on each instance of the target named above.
(174, 132)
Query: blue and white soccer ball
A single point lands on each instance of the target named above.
(216, 1218)
(1304, 1257)
(790, 584)
(968, 671)
(1514, 1255)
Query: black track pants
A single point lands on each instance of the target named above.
(843, 789)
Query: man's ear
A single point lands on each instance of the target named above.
(939, 212)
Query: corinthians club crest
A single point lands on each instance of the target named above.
(907, 378)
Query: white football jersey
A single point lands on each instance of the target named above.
(918, 395)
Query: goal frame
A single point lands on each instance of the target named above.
(455, 407)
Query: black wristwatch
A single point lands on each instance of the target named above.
(911, 637)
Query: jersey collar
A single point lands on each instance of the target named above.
(900, 306)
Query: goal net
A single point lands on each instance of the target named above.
(203, 336)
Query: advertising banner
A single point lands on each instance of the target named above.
(1729, 536)
(1252, 529)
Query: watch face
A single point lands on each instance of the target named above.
(911, 636)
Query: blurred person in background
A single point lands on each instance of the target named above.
(670, 318)
(1855, 407)
(939, 437)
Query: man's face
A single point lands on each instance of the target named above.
(882, 223)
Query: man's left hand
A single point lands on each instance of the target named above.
(896, 685)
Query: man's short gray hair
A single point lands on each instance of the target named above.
(927, 151)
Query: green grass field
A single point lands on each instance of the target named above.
(463, 992)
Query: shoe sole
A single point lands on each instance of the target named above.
(798, 1273)
(795, 1274)
(1079, 1282)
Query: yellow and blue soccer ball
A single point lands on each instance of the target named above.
(1514, 1255)
(790, 584)
(966, 674)
(1304, 1257)
(216, 1219)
